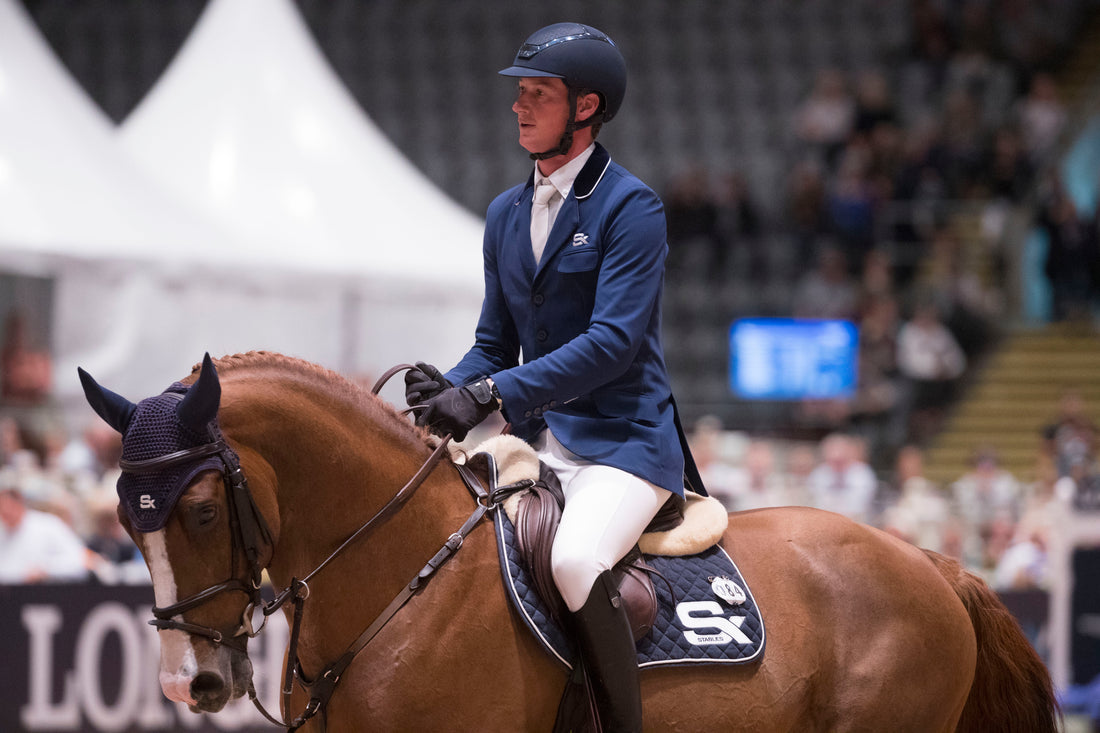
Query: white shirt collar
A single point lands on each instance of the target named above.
(563, 178)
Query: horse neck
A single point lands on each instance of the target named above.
(334, 465)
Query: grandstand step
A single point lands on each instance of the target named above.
(1016, 394)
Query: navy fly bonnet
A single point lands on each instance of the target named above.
(167, 440)
(155, 431)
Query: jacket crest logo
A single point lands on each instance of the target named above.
(579, 239)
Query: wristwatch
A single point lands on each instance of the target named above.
(485, 392)
(494, 392)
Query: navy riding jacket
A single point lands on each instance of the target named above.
(575, 343)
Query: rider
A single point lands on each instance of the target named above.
(592, 392)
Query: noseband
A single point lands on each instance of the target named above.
(248, 530)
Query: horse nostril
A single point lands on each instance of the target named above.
(206, 685)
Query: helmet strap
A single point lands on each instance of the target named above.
(571, 125)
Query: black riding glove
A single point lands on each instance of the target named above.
(458, 409)
(422, 383)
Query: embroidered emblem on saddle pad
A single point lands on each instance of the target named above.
(707, 616)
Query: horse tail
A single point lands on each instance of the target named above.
(1012, 688)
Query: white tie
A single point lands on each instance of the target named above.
(540, 216)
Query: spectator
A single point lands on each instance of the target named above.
(114, 556)
(1042, 117)
(984, 494)
(874, 104)
(931, 362)
(826, 116)
(692, 218)
(841, 482)
(801, 460)
(967, 307)
(1007, 170)
(1073, 256)
(922, 183)
(827, 291)
(851, 203)
(919, 512)
(26, 370)
(756, 484)
(874, 408)
(877, 278)
(11, 439)
(1023, 564)
(1080, 486)
(738, 224)
(35, 546)
(707, 449)
(805, 207)
(1071, 437)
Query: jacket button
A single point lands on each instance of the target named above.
(542, 335)
(538, 299)
(527, 414)
(537, 411)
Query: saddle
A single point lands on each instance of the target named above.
(535, 513)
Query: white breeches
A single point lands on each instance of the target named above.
(606, 511)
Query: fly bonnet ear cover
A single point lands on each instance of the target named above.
(180, 418)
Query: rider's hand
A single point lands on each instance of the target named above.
(458, 409)
(422, 383)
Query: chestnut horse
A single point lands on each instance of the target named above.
(865, 632)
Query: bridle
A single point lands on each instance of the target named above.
(250, 532)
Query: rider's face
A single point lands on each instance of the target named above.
(542, 109)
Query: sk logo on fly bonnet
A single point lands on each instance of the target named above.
(162, 441)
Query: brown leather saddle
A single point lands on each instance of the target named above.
(537, 515)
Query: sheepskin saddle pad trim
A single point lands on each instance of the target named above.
(705, 519)
(706, 612)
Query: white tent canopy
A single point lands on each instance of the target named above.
(66, 186)
(250, 125)
(247, 204)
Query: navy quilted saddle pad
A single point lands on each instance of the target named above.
(695, 624)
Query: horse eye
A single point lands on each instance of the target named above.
(206, 514)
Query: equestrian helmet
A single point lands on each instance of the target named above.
(581, 56)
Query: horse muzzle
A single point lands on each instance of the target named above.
(222, 675)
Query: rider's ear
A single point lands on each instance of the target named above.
(199, 406)
(116, 410)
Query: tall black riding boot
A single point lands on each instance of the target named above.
(609, 656)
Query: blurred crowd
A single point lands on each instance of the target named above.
(59, 522)
(997, 524)
(58, 507)
(898, 189)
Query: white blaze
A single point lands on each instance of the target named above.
(178, 665)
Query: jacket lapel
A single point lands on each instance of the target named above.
(521, 228)
(569, 217)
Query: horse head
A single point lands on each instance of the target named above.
(183, 500)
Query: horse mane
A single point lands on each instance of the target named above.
(332, 383)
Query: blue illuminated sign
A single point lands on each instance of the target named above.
(793, 359)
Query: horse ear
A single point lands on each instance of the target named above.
(115, 409)
(200, 405)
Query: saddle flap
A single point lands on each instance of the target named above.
(537, 516)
